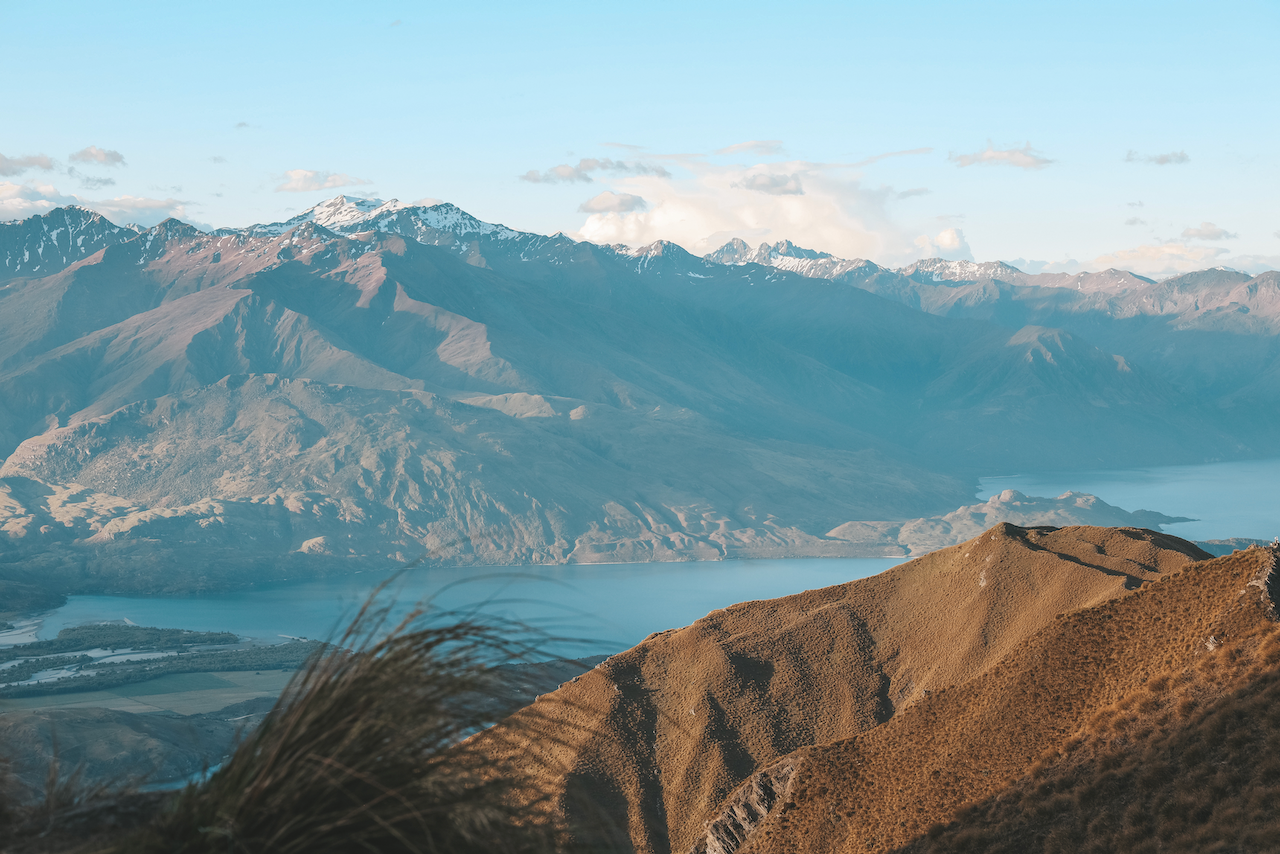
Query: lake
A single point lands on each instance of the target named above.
(612, 607)
(608, 607)
(1236, 499)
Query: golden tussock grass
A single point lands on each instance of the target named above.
(383, 743)
(660, 735)
(1141, 724)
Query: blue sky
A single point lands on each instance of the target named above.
(1061, 136)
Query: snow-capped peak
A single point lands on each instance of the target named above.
(943, 270)
(336, 213)
(738, 251)
(343, 211)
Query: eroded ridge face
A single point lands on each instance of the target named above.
(657, 737)
(1146, 722)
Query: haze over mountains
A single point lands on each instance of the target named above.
(375, 380)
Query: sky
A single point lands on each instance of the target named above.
(1058, 137)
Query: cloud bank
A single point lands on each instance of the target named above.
(19, 201)
(1207, 231)
(817, 205)
(773, 185)
(608, 202)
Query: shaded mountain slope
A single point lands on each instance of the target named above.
(1033, 753)
(654, 403)
(660, 734)
(961, 387)
(268, 466)
(1211, 332)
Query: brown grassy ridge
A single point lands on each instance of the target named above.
(1140, 724)
(658, 736)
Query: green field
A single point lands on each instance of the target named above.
(181, 693)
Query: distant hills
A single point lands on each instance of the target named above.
(378, 381)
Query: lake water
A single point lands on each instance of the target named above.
(609, 607)
(1237, 499)
(613, 607)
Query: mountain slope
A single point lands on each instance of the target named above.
(1033, 753)
(1210, 332)
(48, 243)
(726, 409)
(657, 736)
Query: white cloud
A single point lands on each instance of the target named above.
(566, 174)
(774, 185)
(19, 201)
(914, 191)
(948, 243)
(562, 174)
(140, 209)
(706, 205)
(89, 182)
(1160, 260)
(1172, 157)
(1133, 220)
(100, 156)
(609, 202)
(10, 166)
(1023, 158)
(308, 180)
(761, 147)
(1207, 231)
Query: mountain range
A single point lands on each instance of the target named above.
(377, 381)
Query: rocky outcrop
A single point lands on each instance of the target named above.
(746, 808)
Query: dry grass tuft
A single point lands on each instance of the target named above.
(379, 744)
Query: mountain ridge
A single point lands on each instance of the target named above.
(690, 409)
(658, 736)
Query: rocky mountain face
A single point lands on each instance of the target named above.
(696, 737)
(373, 380)
(47, 244)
